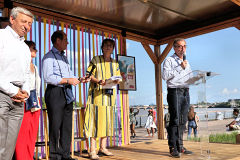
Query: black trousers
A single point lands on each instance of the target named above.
(178, 104)
(60, 122)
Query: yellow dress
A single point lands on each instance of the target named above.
(99, 113)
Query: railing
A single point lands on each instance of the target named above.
(212, 115)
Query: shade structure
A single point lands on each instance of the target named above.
(154, 19)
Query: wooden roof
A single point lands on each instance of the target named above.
(154, 20)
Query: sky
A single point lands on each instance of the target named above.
(217, 52)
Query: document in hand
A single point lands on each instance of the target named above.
(110, 82)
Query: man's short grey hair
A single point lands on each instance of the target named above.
(177, 40)
(16, 10)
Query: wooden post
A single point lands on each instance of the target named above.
(5, 12)
(125, 94)
(159, 97)
(157, 59)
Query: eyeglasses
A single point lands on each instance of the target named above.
(108, 45)
(179, 46)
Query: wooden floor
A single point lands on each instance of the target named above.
(158, 149)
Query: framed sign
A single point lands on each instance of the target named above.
(128, 73)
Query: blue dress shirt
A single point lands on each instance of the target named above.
(55, 67)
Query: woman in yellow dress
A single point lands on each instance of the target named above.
(99, 113)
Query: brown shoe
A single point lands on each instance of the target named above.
(105, 152)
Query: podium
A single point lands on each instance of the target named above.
(199, 78)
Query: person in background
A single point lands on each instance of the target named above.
(14, 78)
(150, 124)
(133, 121)
(101, 101)
(28, 132)
(193, 119)
(235, 124)
(176, 71)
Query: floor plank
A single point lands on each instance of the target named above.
(158, 149)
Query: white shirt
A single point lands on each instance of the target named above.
(174, 74)
(237, 120)
(15, 58)
(35, 81)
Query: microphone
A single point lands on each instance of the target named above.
(184, 56)
(89, 73)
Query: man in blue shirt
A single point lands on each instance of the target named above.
(176, 71)
(59, 97)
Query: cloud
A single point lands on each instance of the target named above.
(235, 90)
(226, 91)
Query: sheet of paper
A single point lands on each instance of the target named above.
(110, 82)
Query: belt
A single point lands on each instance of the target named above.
(178, 89)
(17, 85)
(53, 86)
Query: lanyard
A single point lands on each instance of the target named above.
(59, 65)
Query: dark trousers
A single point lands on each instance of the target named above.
(178, 105)
(60, 122)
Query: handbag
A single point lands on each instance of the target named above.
(32, 101)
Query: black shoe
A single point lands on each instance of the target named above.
(185, 151)
(69, 158)
(134, 135)
(174, 153)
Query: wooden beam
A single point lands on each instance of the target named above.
(165, 52)
(237, 2)
(159, 97)
(202, 30)
(67, 18)
(140, 38)
(150, 53)
(238, 27)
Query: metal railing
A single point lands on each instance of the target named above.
(212, 115)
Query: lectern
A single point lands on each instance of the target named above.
(199, 78)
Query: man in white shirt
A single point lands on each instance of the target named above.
(14, 78)
(176, 71)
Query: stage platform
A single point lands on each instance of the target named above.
(158, 149)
